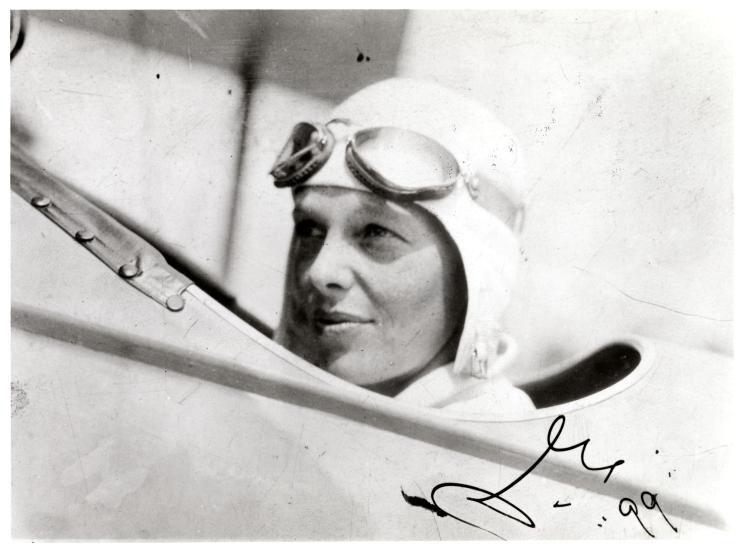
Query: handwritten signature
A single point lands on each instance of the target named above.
(627, 506)
(499, 503)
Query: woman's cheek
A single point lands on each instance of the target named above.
(303, 258)
(411, 286)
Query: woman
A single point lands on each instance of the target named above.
(404, 250)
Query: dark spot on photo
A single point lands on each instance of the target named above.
(18, 398)
(423, 503)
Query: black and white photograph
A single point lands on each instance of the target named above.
(371, 274)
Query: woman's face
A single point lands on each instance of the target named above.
(377, 288)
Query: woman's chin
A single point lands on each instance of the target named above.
(358, 368)
(355, 367)
(349, 367)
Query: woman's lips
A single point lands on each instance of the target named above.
(338, 322)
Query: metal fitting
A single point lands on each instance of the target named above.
(175, 302)
(84, 235)
(128, 271)
(40, 201)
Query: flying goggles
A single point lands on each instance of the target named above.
(395, 163)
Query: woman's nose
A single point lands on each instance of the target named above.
(330, 270)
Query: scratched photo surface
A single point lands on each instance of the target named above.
(149, 253)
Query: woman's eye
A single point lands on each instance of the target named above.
(380, 242)
(308, 229)
(374, 231)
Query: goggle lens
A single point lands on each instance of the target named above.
(402, 163)
(307, 149)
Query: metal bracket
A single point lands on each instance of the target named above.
(134, 259)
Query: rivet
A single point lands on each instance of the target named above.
(84, 235)
(128, 271)
(175, 302)
(40, 201)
